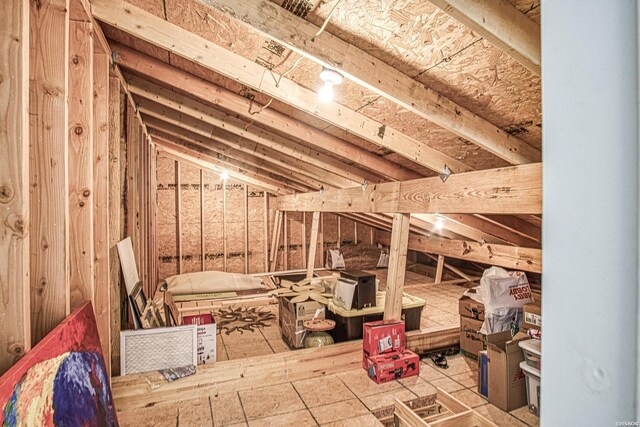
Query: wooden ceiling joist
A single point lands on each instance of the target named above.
(516, 189)
(267, 156)
(150, 28)
(364, 69)
(511, 257)
(242, 107)
(303, 157)
(502, 25)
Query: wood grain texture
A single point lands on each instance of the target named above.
(180, 41)
(81, 197)
(439, 268)
(313, 243)
(516, 189)
(237, 104)
(397, 266)
(115, 221)
(48, 165)
(502, 25)
(15, 335)
(512, 257)
(359, 66)
(101, 295)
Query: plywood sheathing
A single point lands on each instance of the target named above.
(419, 40)
(166, 218)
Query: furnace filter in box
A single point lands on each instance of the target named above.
(206, 336)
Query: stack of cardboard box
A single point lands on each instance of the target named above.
(384, 353)
(471, 318)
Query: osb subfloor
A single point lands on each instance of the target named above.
(335, 393)
(346, 398)
(441, 310)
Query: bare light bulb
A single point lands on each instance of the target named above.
(439, 224)
(326, 93)
(224, 175)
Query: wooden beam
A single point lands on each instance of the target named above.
(452, 268)
(275, 237)
(515, 225)
(81, 162)
(285, 240)
(397, 267)
(496, 232)
(360, 67)
(313, 243)
(49, 201)
(241, 106)
(516, 189)
(304, 239)
(246, 229)
(202, 252)
(178, 219)
(502, 25)
(15, 334)
(101, 239)
(526, 259)
(222, 123)
(265, 230)
(439, 268)
(182, 42)
(224, 223)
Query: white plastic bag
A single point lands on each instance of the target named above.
(335, 261)
(502, 289)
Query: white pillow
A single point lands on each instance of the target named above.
(206, 282)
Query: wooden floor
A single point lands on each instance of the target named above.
(309, 387)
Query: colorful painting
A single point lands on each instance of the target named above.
(62, 381)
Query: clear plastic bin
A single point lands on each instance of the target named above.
(532, 352)
(532, 377)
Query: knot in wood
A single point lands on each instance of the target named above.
(86, 193)
(81, 204)
(6, 194)
(16, 349)
(42, 287)
(75, 60)
(78, 130)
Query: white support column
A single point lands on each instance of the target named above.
(590, 229)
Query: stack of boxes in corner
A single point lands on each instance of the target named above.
(471, 312)
(384, 353)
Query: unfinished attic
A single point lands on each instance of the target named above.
(318, 213)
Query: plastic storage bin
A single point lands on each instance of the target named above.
(532, 354)
(532, 376)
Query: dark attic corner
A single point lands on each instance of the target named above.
(318, 213)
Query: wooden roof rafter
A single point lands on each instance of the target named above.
(364, 69)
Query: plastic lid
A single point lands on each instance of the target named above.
(529, 369)
(531, 345)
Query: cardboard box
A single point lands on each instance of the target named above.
(382, 336)
(206, 331)
(471, 340)
(532, 315)
(393, 366)
(468, 307)
(291, 316)
(366, 288)
(343, 296)
(483, 373)
(507, 386)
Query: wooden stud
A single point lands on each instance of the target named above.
(339, 243)
(275, 237)
(81, 162)
(439, 268)
(202, 248)
(178, 219)
(132, 207)
(455, 270)
(304, 240)
(101, 237)
(265, 231)
(313, 244)
(321, 239)
(15, 334)
(355, 233)
(224, 221)
(285, 240)
(246, 229)
(397, 267)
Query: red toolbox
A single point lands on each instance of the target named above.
(393, 366)
(380, 337)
